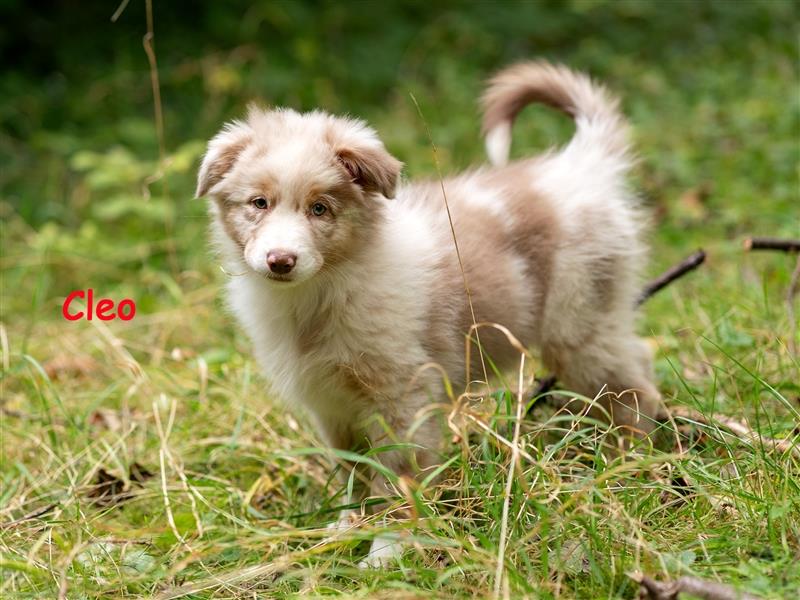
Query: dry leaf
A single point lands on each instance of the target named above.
(692, 204)
(108, 489)
(105, 418)
(69, 365)
(138, 473)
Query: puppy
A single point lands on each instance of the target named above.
(350, 283)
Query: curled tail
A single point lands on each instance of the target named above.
(598, 122)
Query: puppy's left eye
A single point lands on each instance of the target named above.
(260, 202)
(318, 209)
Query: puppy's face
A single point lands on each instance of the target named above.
(296, 193)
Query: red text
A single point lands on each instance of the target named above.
(103, 310)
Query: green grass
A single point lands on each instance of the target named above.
(240, 495)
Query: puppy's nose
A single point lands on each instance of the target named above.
(281, 261)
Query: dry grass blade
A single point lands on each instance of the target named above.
(453, 232)
(5, 348)
(163, 434)
(512, 467)
(241, 576)
(32, 515)
(149, 49)
(151, 58)
(120, 9)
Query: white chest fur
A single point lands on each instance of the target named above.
(369, 320)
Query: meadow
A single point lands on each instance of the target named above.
(143, 458)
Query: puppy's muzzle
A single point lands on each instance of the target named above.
(281, 262)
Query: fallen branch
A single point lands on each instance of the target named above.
(650, 589)
(768, 243)
(739, 428)
(682, 268)
(688, 264)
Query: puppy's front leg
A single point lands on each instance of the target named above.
(346, 518)
(384, 551)
(384, 548)
(414, 462)
(339, 435)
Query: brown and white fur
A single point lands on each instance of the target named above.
(551, 249)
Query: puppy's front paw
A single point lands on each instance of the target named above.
(346, 520)
(384, 551)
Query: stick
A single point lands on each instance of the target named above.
(707, 590)
(741, 429)
(688, 264)
(768, 243)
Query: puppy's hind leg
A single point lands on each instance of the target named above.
(618, 364)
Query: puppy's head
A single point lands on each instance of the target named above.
(296, 193)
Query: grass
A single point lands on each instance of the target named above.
(240, 493)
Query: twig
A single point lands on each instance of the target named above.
(768, 243)
(739, 428)
(688, 264)
(650, 589)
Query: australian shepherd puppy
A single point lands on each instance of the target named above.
(351, 283)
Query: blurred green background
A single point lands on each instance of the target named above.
(711, 88)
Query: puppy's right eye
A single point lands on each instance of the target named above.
(260, 202)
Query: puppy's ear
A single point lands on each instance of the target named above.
(223, 151)
(374, 169)
(363, 156)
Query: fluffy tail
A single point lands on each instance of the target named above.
(598, 122)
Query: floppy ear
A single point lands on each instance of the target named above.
(374, 169)
(223, 151)
(359, 150)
